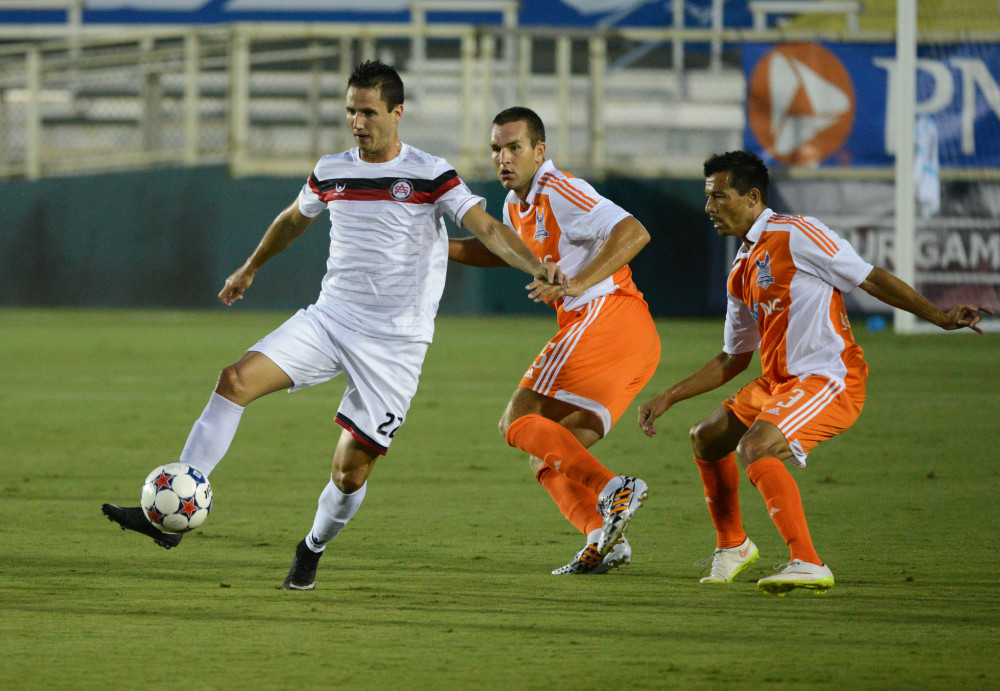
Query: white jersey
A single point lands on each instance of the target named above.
(388, 240)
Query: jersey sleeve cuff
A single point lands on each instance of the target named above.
(467, 206)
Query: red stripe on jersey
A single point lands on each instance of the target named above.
(376, 195)
(356, 196)
(442, 188)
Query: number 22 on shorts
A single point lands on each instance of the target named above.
(390, 420)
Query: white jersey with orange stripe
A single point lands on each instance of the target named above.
(567, 221)
(388, 241)
(785, 297)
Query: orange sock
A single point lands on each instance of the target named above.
(576, 502)
(784, 503)
(559, 449)
(722, 480)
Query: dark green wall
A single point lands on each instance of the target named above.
(169, 238)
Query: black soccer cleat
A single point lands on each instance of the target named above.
(133, 518)
(302, 575)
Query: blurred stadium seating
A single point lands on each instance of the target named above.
(86, 94)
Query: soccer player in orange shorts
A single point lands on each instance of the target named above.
(785, 298)
(606, 349)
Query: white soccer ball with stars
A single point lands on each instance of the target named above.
(176, 498)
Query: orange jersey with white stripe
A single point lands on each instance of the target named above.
(786, 298)
(566, 221)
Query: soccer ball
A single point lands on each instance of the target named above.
(176, 498)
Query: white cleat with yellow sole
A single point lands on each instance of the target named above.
(728, 562)
(798, 574)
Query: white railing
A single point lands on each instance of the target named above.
(268, 98)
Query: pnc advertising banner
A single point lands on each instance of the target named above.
(813, 104)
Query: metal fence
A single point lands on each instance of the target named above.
(268, 98)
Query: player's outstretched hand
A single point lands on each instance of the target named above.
(550, 283)
(965, 315)
(236, 285)
(649, 411)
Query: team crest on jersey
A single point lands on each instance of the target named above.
(764, 279)
(540, 232)
(340, 187)
(401, 190)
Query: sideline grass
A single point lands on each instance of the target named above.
(441, 580)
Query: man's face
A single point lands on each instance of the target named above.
(372, 124)
(731, 212)
(515, 159)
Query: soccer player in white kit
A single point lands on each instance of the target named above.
(374, 317)
(785, 299)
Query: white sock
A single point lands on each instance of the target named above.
(212, 434)
(334, 511)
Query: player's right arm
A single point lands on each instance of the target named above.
(287, 226)
(711, 375)
(508, 246)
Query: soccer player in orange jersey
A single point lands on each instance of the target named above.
(606, 349)
(785, 298)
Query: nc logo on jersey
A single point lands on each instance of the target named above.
(401, 190)
(800, 103)
(764, 279)
(540, 232)
(767, 307)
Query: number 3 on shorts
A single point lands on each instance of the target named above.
(390, 419)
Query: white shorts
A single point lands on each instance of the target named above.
(311, 348)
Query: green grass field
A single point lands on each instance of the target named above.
(441, 581)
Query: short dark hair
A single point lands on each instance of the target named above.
(536, 129)
(375, 74)
(748, 171)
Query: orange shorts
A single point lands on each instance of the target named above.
(601, 358)
(806, 411)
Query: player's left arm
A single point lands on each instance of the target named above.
(895, 292)
(473, 252)
(627, 237)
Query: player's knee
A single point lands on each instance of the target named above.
(349, 477)
(350, 481)
(749, 450)
(536, 465)
(703, 441)
(510, 429)
(502, 426)
(229, 385)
